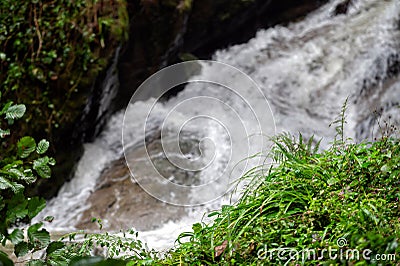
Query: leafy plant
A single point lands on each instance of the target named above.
(17, 172)
(339, 124)
(123, 246)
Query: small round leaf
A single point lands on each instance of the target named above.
(42, 146)
(25, 146)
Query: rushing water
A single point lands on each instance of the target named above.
(306, 70)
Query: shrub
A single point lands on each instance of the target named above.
(16, 172)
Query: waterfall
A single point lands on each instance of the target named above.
(306, 70)
(103, 92)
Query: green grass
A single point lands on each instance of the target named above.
(344, 198)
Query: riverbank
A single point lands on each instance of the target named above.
(336, 206)
(340, 200)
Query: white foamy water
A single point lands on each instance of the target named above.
(306, 71)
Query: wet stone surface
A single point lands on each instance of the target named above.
(121, 202)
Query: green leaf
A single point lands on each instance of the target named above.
(42, 146)
(4, 133)
(49, 218)
(40, 238)
(53, 246)
(34, 227)
(21, 249)
(52, 161)
(36, 263)
(213, 214)
(17, 236)
(4, 183)
(13, 164)
(25, 146)
(16, 173)
(15, 111)
(18, 209)
(29, 178)
(5, 108)
(16, 188)
(41, 167)
(197, 228)
(35, 205)
(4, 260)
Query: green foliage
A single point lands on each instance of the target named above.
(4, 260)
(78, 247)
(42, 147)
(42, 166)
(308, 200)
(81, 248)
(17, 172)
(14, 111)
(52, 49)
(26, 146)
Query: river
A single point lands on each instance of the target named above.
(305, 71)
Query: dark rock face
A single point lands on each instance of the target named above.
(342, 8)
(86, 120)
(163, 32)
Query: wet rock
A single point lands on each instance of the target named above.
(120, 201)
(342, 8)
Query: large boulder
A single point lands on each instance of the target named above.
(120, 201)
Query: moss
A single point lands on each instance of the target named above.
(51, 52)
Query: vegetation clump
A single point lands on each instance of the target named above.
(51, 53)
(51, 50)
(344, 199)
(17, 171)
